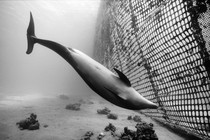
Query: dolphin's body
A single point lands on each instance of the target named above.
(116, 89)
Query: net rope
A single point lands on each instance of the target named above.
(163, 48)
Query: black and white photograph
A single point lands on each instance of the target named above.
(104, 70)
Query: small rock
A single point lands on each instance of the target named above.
(137, 118)
(63, 97)
(29, 123)
(75, 106)
(87, 135)
(110, 127)
(129, 118)
(112, 116)
(104, 111)
(100, 136)
(45, 125)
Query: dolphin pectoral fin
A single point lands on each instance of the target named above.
(123, 77)
(30, 35)
(117, 95)
(123, 97)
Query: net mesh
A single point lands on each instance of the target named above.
(163, 48)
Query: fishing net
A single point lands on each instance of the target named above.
(162, 46)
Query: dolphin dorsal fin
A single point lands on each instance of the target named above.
(123, 77)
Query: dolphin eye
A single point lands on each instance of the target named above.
(72, 50)
(97, 67)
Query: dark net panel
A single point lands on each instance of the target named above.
(162, 47)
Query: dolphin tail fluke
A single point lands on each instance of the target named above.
(30, 35)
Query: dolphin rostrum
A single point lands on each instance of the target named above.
(114, 88)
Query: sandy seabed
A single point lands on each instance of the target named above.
(66, 124)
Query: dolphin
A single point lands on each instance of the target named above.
(116, 88)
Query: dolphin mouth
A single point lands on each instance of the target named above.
(154, 106)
